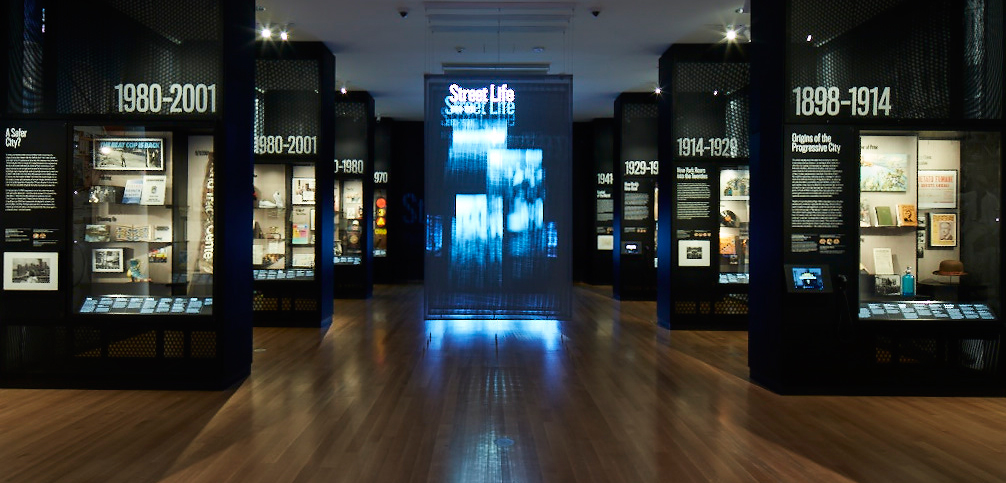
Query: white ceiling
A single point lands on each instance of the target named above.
(379, 51)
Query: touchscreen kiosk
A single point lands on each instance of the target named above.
(808, 279)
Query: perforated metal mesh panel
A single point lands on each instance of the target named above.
(133, 42)
(305, 305)
(131, 345)
(286, 75)
(909, 46)
(711, 101)
(632, 110)
(732, 304)
(356, 111)
(286, 98)
(204, 345)
(174, 344)
(86, 342)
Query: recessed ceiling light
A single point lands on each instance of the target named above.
(810, 37)
(656, 90)
(266, 32)
(731, 34)
(284, 35)
(259, 8)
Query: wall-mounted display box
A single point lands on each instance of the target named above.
(883, 272)
(126, 176)
(353, 245)
(705, 229)
(292, 225)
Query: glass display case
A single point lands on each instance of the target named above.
(929, 226)
(380, 222)
(349, 221)
(142, 221)
(283, 229)
(735, 216)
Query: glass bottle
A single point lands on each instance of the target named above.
(908, 283)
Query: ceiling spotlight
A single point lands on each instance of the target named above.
(657, 90)
(537, 50)
(284, 35)
(266, 32)
(731, 34)
(343, 89)
(810, 37)
(739, 10)
(716, 92)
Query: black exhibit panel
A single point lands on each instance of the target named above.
(498, 182)
(635, 190)
(883, 158)
(127, 164)
(705, 224)
(292, 226)
(354, 195)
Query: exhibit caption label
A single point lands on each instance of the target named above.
(491, 100)
(712, 147)
(291, 145)
(350, 166)
(832, 101)
(180, 98)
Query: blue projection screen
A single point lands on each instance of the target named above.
(498, 194)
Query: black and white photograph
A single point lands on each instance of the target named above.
(107, 260)
(693, 253)
(887, 285)
(31, 271)
(129, 154)
(104, 194)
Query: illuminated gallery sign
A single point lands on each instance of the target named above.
(498, 181)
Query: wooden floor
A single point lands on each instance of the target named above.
(387, 396)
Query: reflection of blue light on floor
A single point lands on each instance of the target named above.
(547, 331)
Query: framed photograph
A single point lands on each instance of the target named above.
(107, 260)
(31, 271)
(129, 154)
(887, 285)
(303, 191)
(693, 253)
(883, 172)
(735, 184)
(938, 189)
(943, 229)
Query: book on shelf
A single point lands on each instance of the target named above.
(907, 216)
(153, 189)
(884, 216)
(133, 191)
(301, 234)
(131, 233)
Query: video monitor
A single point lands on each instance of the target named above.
(808, 279)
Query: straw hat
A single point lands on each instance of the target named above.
(952, 268)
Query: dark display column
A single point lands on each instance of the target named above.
(127, 164)
(603, 197)
(635, 189)
(293, 143)
(706, 216)
(354, 195)
(877, 167)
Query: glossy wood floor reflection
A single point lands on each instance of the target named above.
(385, 396)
